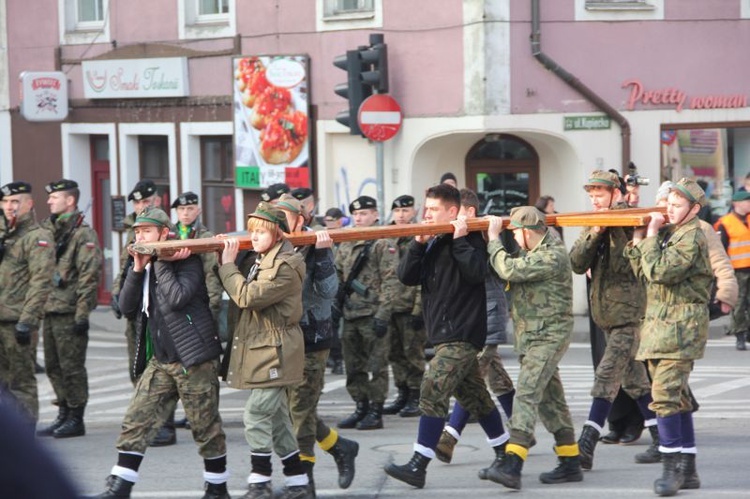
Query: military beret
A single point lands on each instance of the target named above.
(185, 199)
(404, 201)
(16, 188)
(447, 176)
(287, 202)
(61, 185)
(741, 196)
(362, 203)
(142, 190)
(691, 190)
(152, 216)
(527, 217)
(302, 193)
(600, 178)
(273, 191)
(334, 213)
(271, 213)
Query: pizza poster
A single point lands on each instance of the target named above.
(271, 121)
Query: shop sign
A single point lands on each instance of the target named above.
(44, 95)
(135, 78)
(679, 99)
(573, 123)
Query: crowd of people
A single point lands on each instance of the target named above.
(364, 306)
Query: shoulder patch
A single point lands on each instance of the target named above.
(391, 250)
(90, 245)
(42, 243)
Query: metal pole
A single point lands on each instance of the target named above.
(380, 178)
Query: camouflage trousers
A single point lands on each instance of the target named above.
(65, 359)
(303, 402)
(131, 336)
(741, 312)
(618, 366)
(268, 425)
(539, 390)
(155, 397)
(454, 370)
(493, 371)
(669, 387)
(406, 353)
(366, 360)
(17, 369)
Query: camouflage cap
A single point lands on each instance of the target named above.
(288, 202)
(15, 188)
(152, 216)
(61, 185)
(302, 193)
(741, 196)
(363, 203)
(271, 213)
(600, 178)
(273, 191)
(405, 201)
(527, 217)
(142, 190)
(185, 199)
(690, 190)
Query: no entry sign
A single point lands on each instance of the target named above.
(380, 117)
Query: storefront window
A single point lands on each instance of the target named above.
(218, 184)
(154, 161)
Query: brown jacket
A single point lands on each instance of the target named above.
(726, 283)
(267, 345)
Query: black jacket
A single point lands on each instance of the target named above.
(180, 320)
(452, 275)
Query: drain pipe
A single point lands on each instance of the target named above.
(575, 83)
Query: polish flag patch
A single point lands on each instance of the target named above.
(42, 243)
(90, 245)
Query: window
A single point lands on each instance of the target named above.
(349, 14)
(341, 7)
(83, 21)
(90, 11)
(217, 172)
(154, 164)
(206, 18)
(619, 10)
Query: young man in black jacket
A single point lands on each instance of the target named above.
(177, 354)
(452, 271)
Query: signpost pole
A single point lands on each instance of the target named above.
(380, 178)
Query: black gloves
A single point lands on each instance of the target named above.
(115, 304)
(23, 333)
(417, 322)
(81, 327)
(380, 326)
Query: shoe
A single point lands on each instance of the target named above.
(216, 491)
(613, 437)
(652, 454)
(671, 478)
(444, 449)
(261, 490)
(338, 367)
(116, 487)
(166, 434)
(62, 415)
(586, 445)
(690, 479)
(568, 470)
(344, 453)
(73, 425)
(38, 368)
(631, 435)
(741, 341)
(374, 418)
(398, 404)
(308, 467)
(499, 456)
(363, 406)
(414, 472)
(295, 492)
(411, 408)
(182, 423)
(507, 471)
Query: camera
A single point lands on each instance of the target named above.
(633, 178)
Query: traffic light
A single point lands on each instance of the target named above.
(375, 60)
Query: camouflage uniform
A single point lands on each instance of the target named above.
(72, 298)
(25, 283)
(541, 307)
(125, 262)
(364, 352)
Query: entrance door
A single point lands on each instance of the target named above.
(504, 172)
(102, 210)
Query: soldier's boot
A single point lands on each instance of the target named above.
(295, 492)
(568, 470)
(344, 453)
(398, 404)
(216, 491)
(671, 478)
(338, 367)
(308, 467)
(414, 472)
(260, 490)
(499, 456)
(741, 341)
(586, 445)
(182, 423)
(73, 425)
(652, 454)
(116, 487)
(62, 415)
(689, 473)
(166, 434)
(445, 446)
(374, 418)
(411, 409)
(358, 415)
(507, 471)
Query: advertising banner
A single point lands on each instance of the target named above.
(135, 78)
(44, 95)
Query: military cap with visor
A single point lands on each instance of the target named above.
(741, 196)
(289, 203)
(405, 201)
(15, 188)
(270, 213)
(185, 199)
(363, 203)
(690, 189)
(142, 190)
(600, 178)
(61, 185)
(273, 191)
(152, 216)
(527, 217)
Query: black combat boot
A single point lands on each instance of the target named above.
(414, 472)
(260, 490)
(741, 341)
(445, 446)
(344, 452)
(308, 467)
(73, 425)
(568, 470)
(338, 367)
(499, 456)
(690, 479)
(671, 478)
(411, 409)
(652, 454)
(374, 418)
(62, 415)
(295, 492)
(216, 491)
(116, 487)
(167, 434)
(358, 415)
(398, 404)
(507, 471)
(586, 445)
